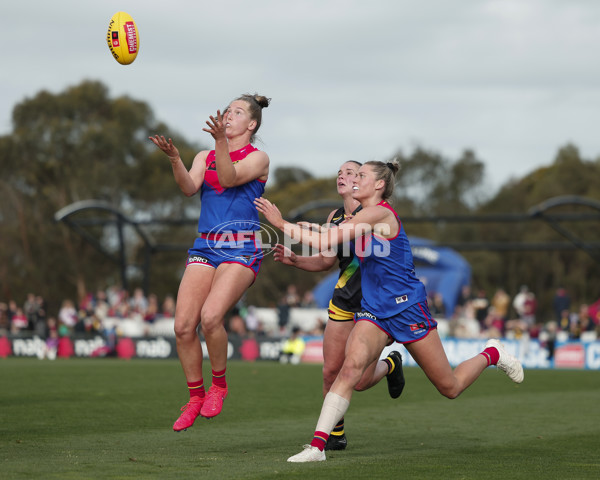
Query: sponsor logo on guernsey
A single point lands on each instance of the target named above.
(402, 299)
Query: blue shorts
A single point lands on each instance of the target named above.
(408, 326)
(212, 251)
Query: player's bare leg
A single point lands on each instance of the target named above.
(229, 284)
(334, 351)
(431, 357)
(193, 291)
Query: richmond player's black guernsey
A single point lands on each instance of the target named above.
(347, 294)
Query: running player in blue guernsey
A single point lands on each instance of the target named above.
(390, 285)
(226, 257)
(394, 305)
(345, 301)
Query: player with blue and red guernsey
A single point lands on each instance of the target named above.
(226, 256)
(390, 284)
(345, 301)
(222, 205)
(228, 219)
(393, 307)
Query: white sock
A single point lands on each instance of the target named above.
(334, 408)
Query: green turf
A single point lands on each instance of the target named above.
(108, 418)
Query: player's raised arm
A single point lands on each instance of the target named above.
(189, 181)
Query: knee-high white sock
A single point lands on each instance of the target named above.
(334, 408)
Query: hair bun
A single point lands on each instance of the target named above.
(394, 166)
(262, 101)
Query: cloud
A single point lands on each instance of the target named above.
(349, 79)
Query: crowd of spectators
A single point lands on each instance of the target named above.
(100, 313)
(88, 316)
(477, 315)
(246, 321)
(481, 316)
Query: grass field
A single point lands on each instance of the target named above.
(109, 418)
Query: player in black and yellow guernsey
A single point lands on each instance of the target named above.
(345, 301)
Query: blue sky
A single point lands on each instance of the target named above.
(512, 80)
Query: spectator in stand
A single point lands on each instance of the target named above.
(494, 324)
(168, 307)
(30, 309)
(463, 323)
(465, 296)
(289, 300)
(319, 328)
(151, 311)
(4, 321)
(114, 296)
(308, 300)
(138, 302)
(561, 302)
(253, 325)
(501, 303)
(237, 325)
(293, 348)
(67, 317)
(530, 310)
(18, 322)
(519, 301)
(102, 306)
(122, 310)
(481, 305)
(86, 305)
(436, 305)
(40, 328)
(526, 323)
(594, 313)
(564, 321)
(12, 309)
(581, 323)
(51, 338)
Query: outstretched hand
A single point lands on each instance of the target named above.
(270, 211)
(216, 126)
(284, 255)
(166, 146)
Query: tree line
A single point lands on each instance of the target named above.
(82, 144)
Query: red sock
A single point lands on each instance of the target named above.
(319, 440)
(196, 389)
(491, 354)
(219, 379)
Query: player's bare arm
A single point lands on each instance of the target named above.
(362, 223)
(190, 181)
